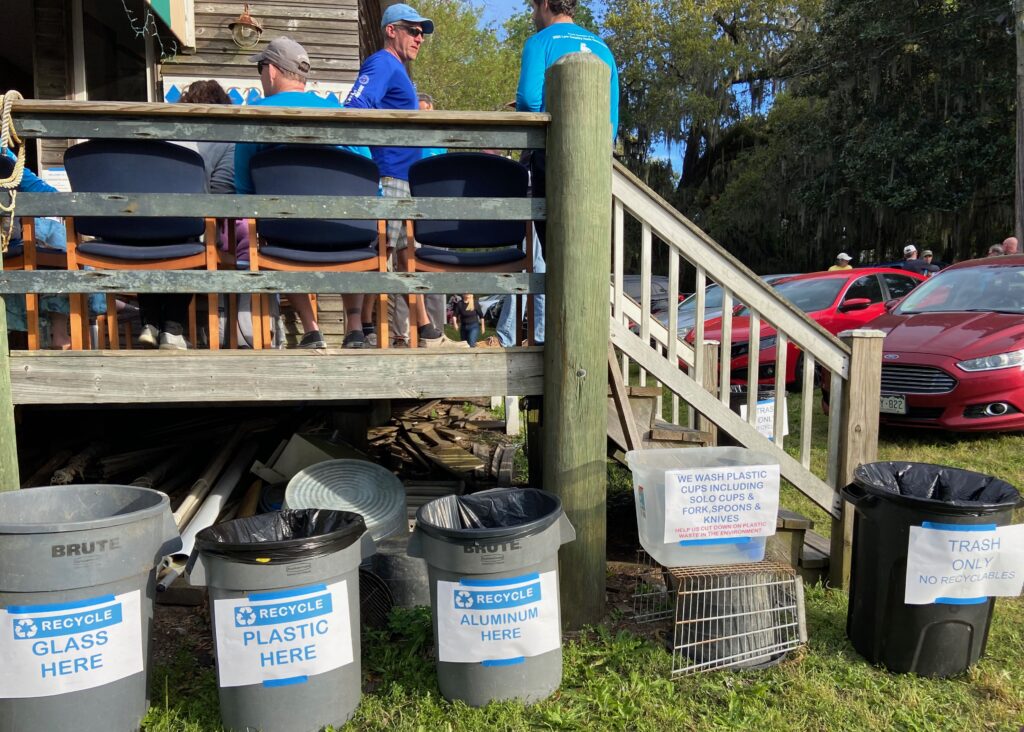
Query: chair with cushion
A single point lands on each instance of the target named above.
(138, 243)
(470, 246)
(316, 245)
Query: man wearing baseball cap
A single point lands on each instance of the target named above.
(842, 262)
(910, 261)
(283, 67)
(383, 83)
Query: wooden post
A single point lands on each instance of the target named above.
(709, 380)
(9, 479)
(578, 249)
(1018, 29)
(858, 436)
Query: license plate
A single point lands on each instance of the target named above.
(893, 404)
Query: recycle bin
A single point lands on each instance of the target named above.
(945, 636)
(284, 604)
(492, 563)
(77, 579)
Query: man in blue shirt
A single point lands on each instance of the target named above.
(383, 83)
(283, 68)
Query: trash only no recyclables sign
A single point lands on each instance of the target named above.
(959, 564)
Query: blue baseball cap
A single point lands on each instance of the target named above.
(400, 12)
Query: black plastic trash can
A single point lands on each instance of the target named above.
(889, 498)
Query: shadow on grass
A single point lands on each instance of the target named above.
(400, 654)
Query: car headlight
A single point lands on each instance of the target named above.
(1013, 359)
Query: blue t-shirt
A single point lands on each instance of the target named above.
(30, 182)
(384, 84)
(245, 151)
(545, 47)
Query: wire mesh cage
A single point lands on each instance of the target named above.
(651, 598)
(735, 616)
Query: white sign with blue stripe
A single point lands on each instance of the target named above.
(283, 637)
(498, 622)
(69, 646)
(720, 505)
(964, 564)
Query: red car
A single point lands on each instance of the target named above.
(954, 350)
(837, 301)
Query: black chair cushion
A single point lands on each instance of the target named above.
(319, 256)
(490, 258)
(134, 252)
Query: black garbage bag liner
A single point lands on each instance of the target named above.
(288, 535)
(935, 484)
(497, 513)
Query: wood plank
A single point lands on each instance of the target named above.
(282, 10)
(627, 434)
(321, 33)
(278, 207)
(60, 282)
(203, 377)
(324, 64)
(858, 437)
(668, 432)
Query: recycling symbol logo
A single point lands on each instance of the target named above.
(463, 599)
(25, 628)
(244, 616)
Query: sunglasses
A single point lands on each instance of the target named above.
(414, 32)
(260, 66)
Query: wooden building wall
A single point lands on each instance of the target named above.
(51, 60)
(329, 30)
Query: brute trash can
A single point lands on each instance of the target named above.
(937, 639)
(284, 604)
(492, 563)
(77, 578)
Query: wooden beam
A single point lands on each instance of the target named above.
(578, 249)
(9, 478)
(60, 282)
(278, 207)
(709, 380)
(202, 377)
(623, 409)
(858, 436)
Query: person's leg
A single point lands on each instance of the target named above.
(538, 300)
(353, 321)
(174, 315)
(151, 314)
(506, 328)
(398, 306)
(538, 164)
(302, 304)
(435, 305)
(367, 321)
(472, 334)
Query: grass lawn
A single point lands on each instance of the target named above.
(616, 676)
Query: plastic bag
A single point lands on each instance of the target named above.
(937, 484)
(282, 535)
(501, 512)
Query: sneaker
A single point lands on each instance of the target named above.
(400, 343)
(370, 339)
(429, 332)
(442, 341)
(149, 336)
(173, 342)
(354, 339)
(313, 339)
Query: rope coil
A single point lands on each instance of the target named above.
(9, 135)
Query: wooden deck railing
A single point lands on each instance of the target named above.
(852, 362)
(569, 371)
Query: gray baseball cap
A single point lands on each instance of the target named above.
(285, 54)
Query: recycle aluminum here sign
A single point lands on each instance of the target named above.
(963, 564)
(721, 502)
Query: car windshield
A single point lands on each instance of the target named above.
(991, 289)
(808, 295)
(712, 299)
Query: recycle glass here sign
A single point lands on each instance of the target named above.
(722, 502)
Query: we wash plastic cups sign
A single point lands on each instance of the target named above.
(964, 564)
(721, 502)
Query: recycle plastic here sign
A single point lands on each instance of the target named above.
(721, 503)
(963, 564)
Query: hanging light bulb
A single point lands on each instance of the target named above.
(246, 31)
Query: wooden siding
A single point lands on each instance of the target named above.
(329, 29)
(52, 67)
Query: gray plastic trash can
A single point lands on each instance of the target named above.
(284, 605)
(492, 562)
(77, 578)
